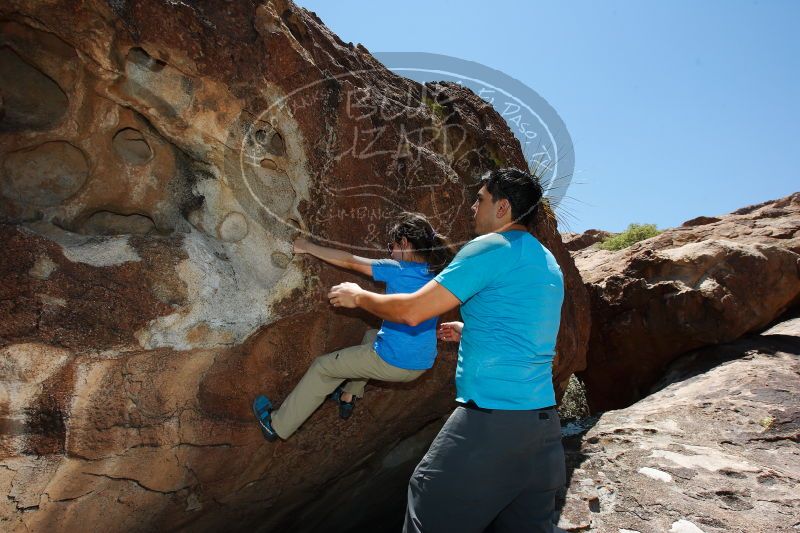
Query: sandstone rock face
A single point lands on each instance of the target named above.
(31, 100)
(157, 159)
(578, 241)
(44, 175)
(714, 450)
(692, 286)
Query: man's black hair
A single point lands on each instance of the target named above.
(522, 190)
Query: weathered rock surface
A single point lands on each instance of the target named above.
(715, 450)
(157, 158)
(692, 286)
(578, 241)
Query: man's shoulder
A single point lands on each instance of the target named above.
(490, 243)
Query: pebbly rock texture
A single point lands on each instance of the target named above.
(157, 158)
(716, 450)
(706, 282)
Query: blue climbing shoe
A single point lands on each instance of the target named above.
(262, 408)
(345, 408)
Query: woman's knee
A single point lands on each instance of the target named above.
(318, 365)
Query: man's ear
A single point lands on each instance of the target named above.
(503, 207)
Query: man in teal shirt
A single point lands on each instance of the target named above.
(498, 461)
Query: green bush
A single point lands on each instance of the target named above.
(573, 404)
(436, 108)
(634, 233)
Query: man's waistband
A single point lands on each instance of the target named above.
(472, 405)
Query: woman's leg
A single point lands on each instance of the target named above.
(324, 375)
(355, 387)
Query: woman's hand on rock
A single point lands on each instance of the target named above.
(301, 245)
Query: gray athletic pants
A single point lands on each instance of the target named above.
(489, 471)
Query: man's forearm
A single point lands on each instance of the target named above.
(412, 309)
(392, 307)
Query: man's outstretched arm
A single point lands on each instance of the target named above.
(429, 301)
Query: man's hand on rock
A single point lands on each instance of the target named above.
(344, 295)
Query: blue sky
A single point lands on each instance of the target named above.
(676, 109)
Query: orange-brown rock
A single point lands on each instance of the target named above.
(578, 241)
(706, 282)
(157, 158)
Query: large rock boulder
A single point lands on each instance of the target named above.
(704, 283)
(578, 241)
(157, 158)
(714, 451)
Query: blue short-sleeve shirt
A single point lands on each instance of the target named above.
(401, 345)
(511, 290)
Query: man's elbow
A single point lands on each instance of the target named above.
(412, 318)
(411, 312)
(411, 321)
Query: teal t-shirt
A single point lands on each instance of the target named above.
(401, 345)
(511, 290)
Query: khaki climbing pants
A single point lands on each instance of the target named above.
(356, 364)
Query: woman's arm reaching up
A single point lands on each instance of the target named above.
(335, 257)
